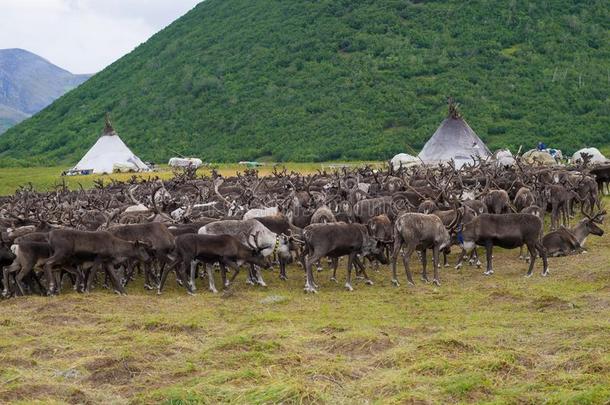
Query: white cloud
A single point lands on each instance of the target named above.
(84, 36)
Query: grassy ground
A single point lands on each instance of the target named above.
(499, 339)
(45, 178)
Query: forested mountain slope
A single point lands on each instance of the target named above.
(342, 79)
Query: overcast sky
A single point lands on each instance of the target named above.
(84, 36)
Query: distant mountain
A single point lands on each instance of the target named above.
(29, 83)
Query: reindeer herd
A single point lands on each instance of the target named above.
(141, 231)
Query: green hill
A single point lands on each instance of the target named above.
(343, 79)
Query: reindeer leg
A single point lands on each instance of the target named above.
(42, 290)
(126, 272)
(350, 263)
(463, 255)
(360, 266)
(542, 252)
(236, 268)
(193, 273)
(367, 280)
(319, 266)
(223, 275)
(335, 266)
(154, 274)
(554, 217)
(283, 269)
(424, 263)
(212, 284)
(13, 268)
(532, 251)
(395, 253)
(91, 277)
(259, 277)
(48, 270)
(74, 276)
(435, 254)
(118, 287)
(489, 254)
(309, 282)
(80, 279)
(405, 261)
(183, 276)
(20, 276)
(164, 277)
(474, 258)
(147, 275)
(251, 277)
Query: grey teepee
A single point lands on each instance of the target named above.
(454, 139)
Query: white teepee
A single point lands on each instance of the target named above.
(108, 154)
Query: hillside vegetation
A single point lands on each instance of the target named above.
(325, 80)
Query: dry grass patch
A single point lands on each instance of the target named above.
(477, 339)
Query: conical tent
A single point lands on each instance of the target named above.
(454, 139)
(109, 153)
(596, 155)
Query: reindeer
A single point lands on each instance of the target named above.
(565, 241)
(524, 198)
(421, 232)
(155, 235)
(280, 225)
(100, 247)
(508, 231)
(268, 242)
(335, 240)
(559, 197)
(209, 249)
(28, 253)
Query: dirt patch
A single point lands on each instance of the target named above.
(588, 363)
(358, 346)
(43, 353)
(8, 322)
(528, 361)
(52, 306)
(504, 296)
(549, 302)
(331, 330)
(108, 370)
(79, 397)
(61, 319)
(450, 347)
(593, 276)
(19, 363)
(31, 392)
(164, 327)
(594, 302)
